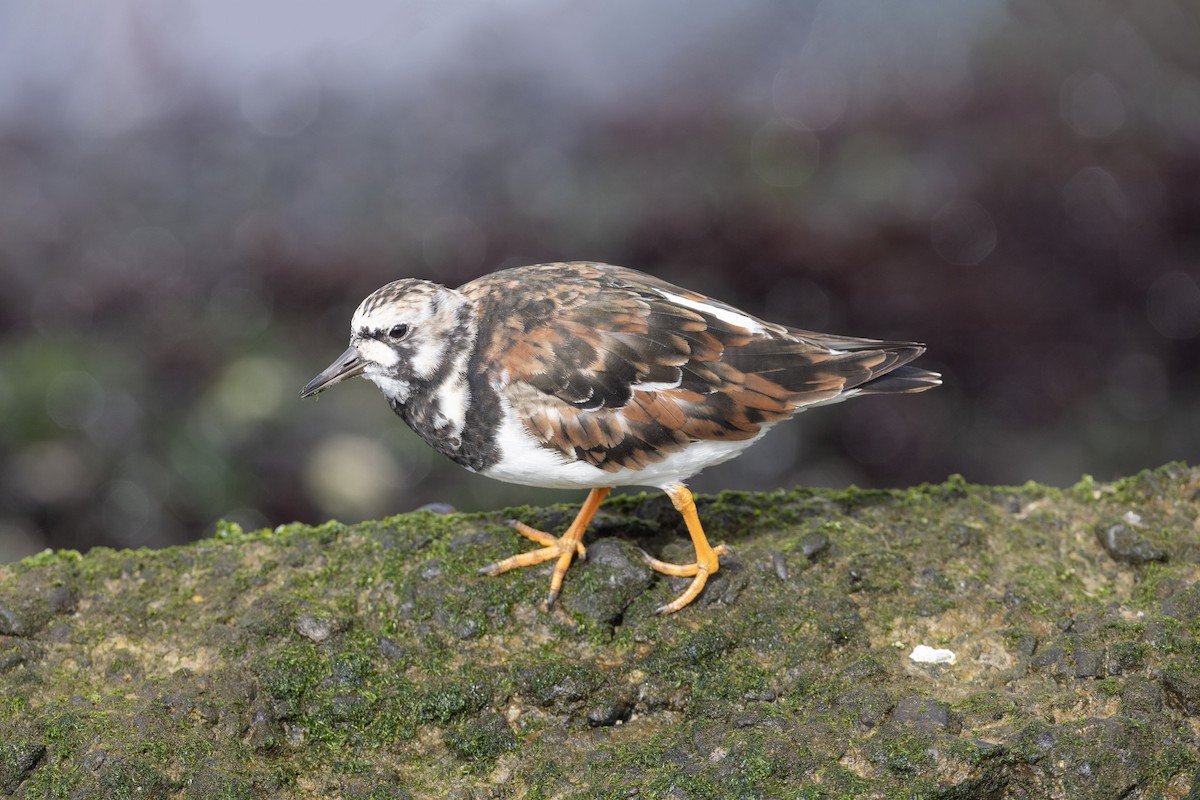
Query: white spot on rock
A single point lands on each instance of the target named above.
(924, 654)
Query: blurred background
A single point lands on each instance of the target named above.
(194, 197)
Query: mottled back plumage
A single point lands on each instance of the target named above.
(618, 369)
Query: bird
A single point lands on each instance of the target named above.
(591, 376)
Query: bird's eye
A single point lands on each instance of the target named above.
(398, 331)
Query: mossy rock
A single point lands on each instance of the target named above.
(373, 661)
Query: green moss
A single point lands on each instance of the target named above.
(974, 753)
(230, 531)
(481, 742)
(839, 783)
(289, 674)
(219, 785)
(134, 777)
(903, 753)
(354, 657)
(52, 559)
(65, 729)
(1041, 588)
(613, 770)
(448, 699)
(987, 706)
(550, 680)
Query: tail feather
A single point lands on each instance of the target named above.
(902, 380)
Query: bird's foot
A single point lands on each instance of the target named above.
(552, 547)
(698, 572)
(563, 548)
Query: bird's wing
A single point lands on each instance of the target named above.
(618, 369)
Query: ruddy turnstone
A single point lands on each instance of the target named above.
(589, 375)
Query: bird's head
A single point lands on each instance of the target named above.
(400, 337)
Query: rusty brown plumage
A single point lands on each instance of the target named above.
(607, 366)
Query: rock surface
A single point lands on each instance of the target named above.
(371, 661)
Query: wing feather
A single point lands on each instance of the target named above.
(606, 366)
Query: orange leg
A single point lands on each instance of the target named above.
(706, 555)
(563, 548)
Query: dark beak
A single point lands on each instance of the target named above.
(347, 365)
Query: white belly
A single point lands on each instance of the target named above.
(523, 460)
